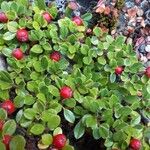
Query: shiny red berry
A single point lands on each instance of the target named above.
(147, 72)
(55, 56)
(3, 17)
(9, 106)
(47, 17)
(119, 70)
(17, 53)
(77, 20)
(1, 124)
(6, 140)
(22, 35)
(66, 92)
(135, 144)
(59, 141)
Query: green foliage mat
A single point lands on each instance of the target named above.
(106, 104)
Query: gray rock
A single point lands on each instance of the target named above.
(2, 63)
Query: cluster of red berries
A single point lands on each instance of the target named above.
(120, 69)
(5, 138)
(9, 106)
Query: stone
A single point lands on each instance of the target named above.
(2, 63)
(147, 48)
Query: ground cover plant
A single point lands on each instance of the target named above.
(62, 75)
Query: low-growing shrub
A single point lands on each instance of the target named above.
(56, 68)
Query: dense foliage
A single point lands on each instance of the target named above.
(56, 68)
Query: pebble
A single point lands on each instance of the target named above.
(129, 41)
(2, 63)
(148, 55)
(147, 48)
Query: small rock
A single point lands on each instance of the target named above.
(113, 32)
(2, 63)
(148, 56)
(140, 12)
(147, 48)
(129, 40)
(144, 59)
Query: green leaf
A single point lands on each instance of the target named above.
(12, 26)
(84, 49)
(37, 129)
(101, 60)
(2, 146)
(87, 60)
(3, 114)
(103, 131)
(47, 139)
(9, 127)
(29, 100)
(71, 103)
(41, 4)
(54, 91)
(79, 130)
(37, 49)
(112, 78)
(87, 16)
(97, 31)
(68, 147)
(53, 121)
(9, 36)
(30, 113)
(19, 101)
(91, 121)
(58, 130)
(148, 88)
(5, 6)
(69, 116)
(17, 143)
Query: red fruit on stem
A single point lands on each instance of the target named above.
(9, 106)
(1, 124)
(77, 20)
(59, 141)
(47, 17)
(6, 140)
(3, 17)
(22, 35)
(119, 70)
(135, 144)
(147, 72)
(17, 53)
(55, 56)
(66, 92)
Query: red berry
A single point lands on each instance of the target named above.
(3, 17)
(89, 31)
(17, 53)
(135, 144)
(59, 141)
(66, 92)
(9, 106)
(47, 17)
(147, 72)
(119, 70)
(1, 124)
(6, 140)
(77, 20)
(22, 35)
(55, 56)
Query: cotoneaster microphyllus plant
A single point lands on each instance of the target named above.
(65, 75)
